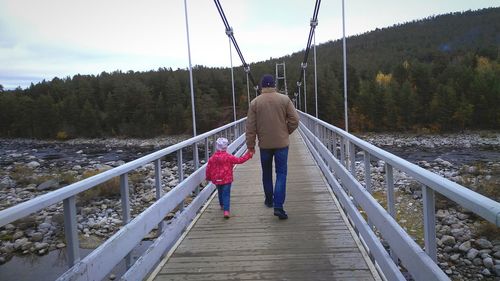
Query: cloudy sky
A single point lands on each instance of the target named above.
(60, 38)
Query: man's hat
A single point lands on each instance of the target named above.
(267, 81)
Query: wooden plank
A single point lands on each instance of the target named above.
(313, 244)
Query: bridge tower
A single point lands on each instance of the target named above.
(281, 75)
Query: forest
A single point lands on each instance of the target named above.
(439, 74)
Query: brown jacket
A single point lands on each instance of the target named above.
(272, 117)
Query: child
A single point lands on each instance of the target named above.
(220, 172)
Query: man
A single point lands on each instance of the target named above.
(272, 118)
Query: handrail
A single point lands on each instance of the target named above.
(477, 203)
(97, 264)
(26, 208)
(324, 141)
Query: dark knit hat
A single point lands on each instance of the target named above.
(267, 81)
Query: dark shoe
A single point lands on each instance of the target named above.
(268, 204)
(281, 214)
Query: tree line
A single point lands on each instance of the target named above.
(437, 74)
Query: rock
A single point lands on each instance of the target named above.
(50, 184)
(485, 272)
(17, 235)
(42, 252)
(112, 277)
(448, 240)
(472, 254)
(7, 182)
(76, 168)
(441, 214)
(472, 170)
(39, 246)
(2, 260)
(9, 227)
(44, 226)
(484, 244)
(79, 152)
(148, 198)
(7, 248)
(477, 261)
(33, 164)
(455, 257)
(457, 232)
(448, 271)
(496, 270)
(496, 255)
(488, 262)
(36, 237)
(60, 245)
(465, 247)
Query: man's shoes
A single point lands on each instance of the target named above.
(268, 203)
(226, 214)
(280, 213)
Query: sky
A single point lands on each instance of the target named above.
(60, 38)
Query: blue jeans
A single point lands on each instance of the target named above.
(224, 192)
(280, 163)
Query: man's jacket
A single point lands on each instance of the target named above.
(272, 118)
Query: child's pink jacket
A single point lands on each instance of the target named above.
(220, 167)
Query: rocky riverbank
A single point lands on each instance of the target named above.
(468, 247)
(28, 168)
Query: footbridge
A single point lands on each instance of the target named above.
(334, 231)
(337, 230)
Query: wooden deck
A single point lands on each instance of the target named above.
(313, 244)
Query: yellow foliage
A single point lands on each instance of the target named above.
(383, 79)
(62, 135)
(483, 64)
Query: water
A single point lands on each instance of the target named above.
(49, 267)
(456, 156)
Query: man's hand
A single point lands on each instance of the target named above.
(252, 151)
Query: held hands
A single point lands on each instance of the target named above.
(251, 151)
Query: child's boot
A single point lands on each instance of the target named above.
(226, 214)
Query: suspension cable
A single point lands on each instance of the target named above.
(313, 24)
(230, 34)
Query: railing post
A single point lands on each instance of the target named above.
(180, 172)
(368, 178)
(389, 178)
(207, 153)
(159, 191)
(429, 222)
(70, 231)
(334, 144)
(196, 165)
(342, 151)
(125, 198)
(352, 159)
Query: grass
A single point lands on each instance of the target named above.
(406, 216)
(6, 237)
(110, 188)
(488, 230)
(22, 174)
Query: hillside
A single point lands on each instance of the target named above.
(437, 74)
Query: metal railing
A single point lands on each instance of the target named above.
(102, 260)
(335, 150)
